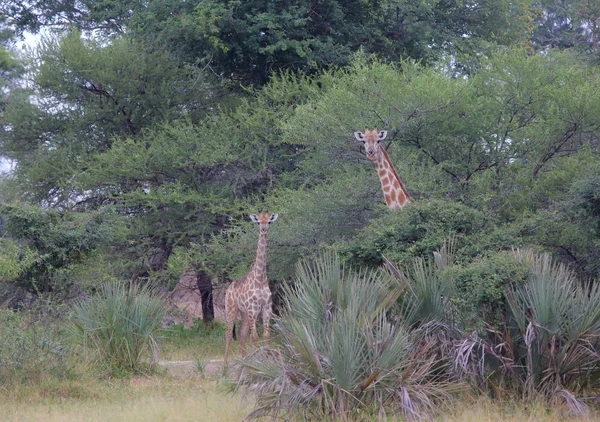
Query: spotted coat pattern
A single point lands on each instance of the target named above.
(249, 296)
(394, 192)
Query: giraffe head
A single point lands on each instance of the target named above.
(371, 140)
(263, 219)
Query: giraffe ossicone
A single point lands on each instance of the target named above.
(249, 297)
(395, 194)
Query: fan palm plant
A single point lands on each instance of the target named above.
(557, 319)
(551, 342)
(339, 354)
(121, 324)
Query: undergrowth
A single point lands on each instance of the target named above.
(31, 350)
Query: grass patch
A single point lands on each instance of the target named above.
(487, 410)
(198, 342)
(136, 399)
(30, 350)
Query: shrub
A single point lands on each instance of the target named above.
(120, 324)
(550, 343)
(480, 288)
(340, 355)
(422, 228)
(29, 350)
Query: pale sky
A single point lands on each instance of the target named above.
(4, 165)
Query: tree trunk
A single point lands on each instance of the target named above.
(206, 296)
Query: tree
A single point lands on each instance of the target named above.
(249, 41)
(569, 24)
(89, 15)
(45, 242)
(206, 296)
(503, 144)
(86, 96)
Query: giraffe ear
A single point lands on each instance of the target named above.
(254, 218)
(359, 136)
(382, 135)
(273, 217)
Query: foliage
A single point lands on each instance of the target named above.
(134, 155)
(549, 343)
(14, 260)
(340, 355)
(107, 16)
(121, 325)
(30, 350)
(47, 241)
(249, 41)
(199, 340)
(569, 24)
(422, 228)
(558, 319)
(311, 219)
(428, 296)
(481, 286)
(87, 94)
(587, 192)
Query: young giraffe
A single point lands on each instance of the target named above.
(394, 192)
(249, 296)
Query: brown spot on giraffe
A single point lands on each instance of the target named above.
(394, 193)
(249, 296)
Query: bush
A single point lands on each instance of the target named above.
(121, 325)
(422, 228)
(480, 288)
(340, 355)
(549, 345)
(29, 350)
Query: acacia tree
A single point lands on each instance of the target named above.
(477, 154)
(82, 98)
(249, 41)
(86, 96)
(569, 24)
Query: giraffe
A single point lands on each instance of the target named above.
(394, 192)
(249, 296)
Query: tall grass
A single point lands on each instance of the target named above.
(30, 350)
(339, 353)
(120, 324)
(140, 398)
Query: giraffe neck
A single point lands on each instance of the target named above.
(394, 192)
(259, 267)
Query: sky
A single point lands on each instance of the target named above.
(4, 166)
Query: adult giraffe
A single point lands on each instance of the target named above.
(394, 192)
(249, 296)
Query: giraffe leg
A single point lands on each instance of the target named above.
(254, 333)
(244, 333)
(266, 318)
(231, 317)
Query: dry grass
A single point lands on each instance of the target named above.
(139, 399)
(195, 398)
(195, 395)
(486, 410)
